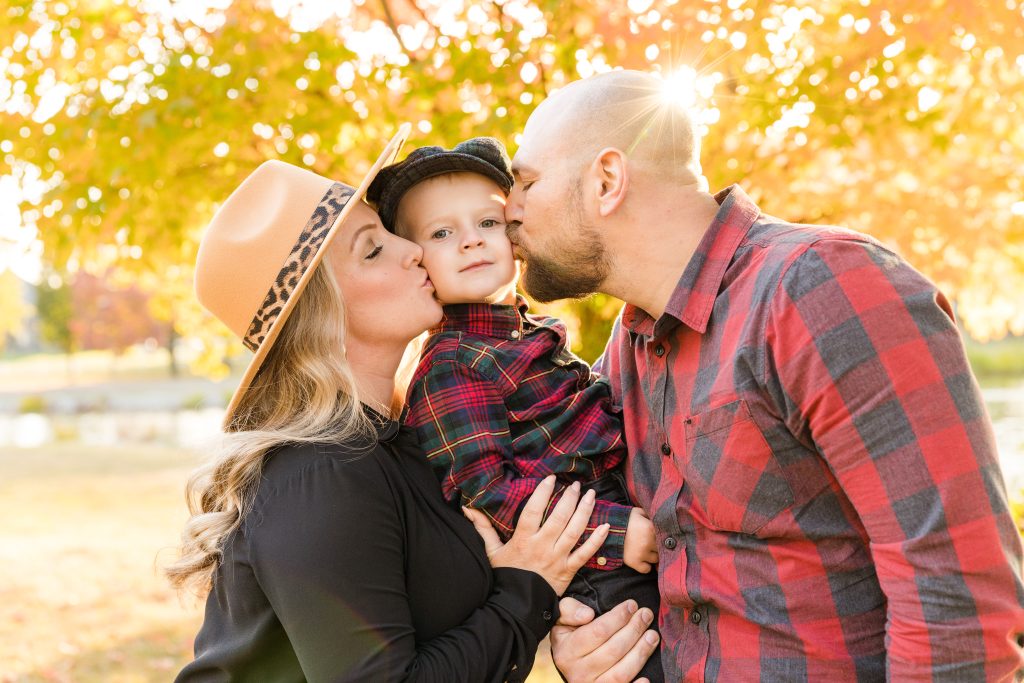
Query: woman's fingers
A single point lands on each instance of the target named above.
(533, 512)
(577, 523)
(579, 557)
(492, 542)
(562, 512)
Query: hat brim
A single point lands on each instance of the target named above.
(429, 167)
(260, 354)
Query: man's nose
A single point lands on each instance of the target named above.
(514, 206)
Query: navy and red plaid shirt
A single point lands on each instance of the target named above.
(806, 433)
(498, 403)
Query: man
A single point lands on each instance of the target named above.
(803, 426)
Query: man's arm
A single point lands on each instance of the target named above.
(865, 362)
(461, 422)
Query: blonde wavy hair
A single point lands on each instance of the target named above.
(304, 392)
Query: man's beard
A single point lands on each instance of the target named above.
(578, 269)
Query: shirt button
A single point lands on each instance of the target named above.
(695, 617)
(659, 350)
(547, 615)
(602, 561)
(515, 334)
(670, 542)
(666, 449)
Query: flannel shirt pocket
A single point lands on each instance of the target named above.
(736, 483)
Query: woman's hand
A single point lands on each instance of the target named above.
(547, 548)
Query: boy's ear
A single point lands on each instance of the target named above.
(610, 180)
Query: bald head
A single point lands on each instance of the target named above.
(626, 110)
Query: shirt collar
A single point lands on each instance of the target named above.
(504, 321)
(694, 296)
(386, 428)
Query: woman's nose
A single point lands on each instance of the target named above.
(413, 254)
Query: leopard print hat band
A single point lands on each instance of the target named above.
(298, 262)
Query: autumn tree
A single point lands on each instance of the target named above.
(55, 311)
(14, 310)
(107, 314)
(125, 123)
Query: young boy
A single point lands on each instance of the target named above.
(498, 401)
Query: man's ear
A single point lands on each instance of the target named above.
(610, 180)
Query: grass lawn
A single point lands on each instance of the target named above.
(81, 599)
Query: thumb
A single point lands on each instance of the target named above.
(492, 542)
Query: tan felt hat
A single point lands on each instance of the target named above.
(263, 245)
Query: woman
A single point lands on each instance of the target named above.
(320, 530)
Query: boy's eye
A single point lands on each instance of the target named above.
(527, 184)
(490, 223)
(440, 234)
(377, 248)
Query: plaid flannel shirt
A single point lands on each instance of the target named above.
(806, 433)
(498, 403)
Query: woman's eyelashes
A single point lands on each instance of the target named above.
(377, 248)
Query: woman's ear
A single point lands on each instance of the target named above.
(610, 180)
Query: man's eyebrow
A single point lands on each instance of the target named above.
(359, 231)
(518, 168)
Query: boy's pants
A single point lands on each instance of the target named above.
(603, 590)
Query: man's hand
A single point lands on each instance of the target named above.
(610, 649)
(640, 550)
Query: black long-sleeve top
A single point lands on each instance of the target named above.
(351, 567)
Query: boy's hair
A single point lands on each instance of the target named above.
(486, 156)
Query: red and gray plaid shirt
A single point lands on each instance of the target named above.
(805, 431)
(498, 403)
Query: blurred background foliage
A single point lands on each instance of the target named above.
(124, 122)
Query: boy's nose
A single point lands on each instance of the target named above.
(472, 239)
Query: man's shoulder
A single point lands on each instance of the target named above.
(783, 237)
(780, 247)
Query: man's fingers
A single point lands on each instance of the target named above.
(533, 511)
(572, 612)
(589, 637)
(620, 644)
(628, 667)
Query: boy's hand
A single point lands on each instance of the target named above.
(640, 550)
